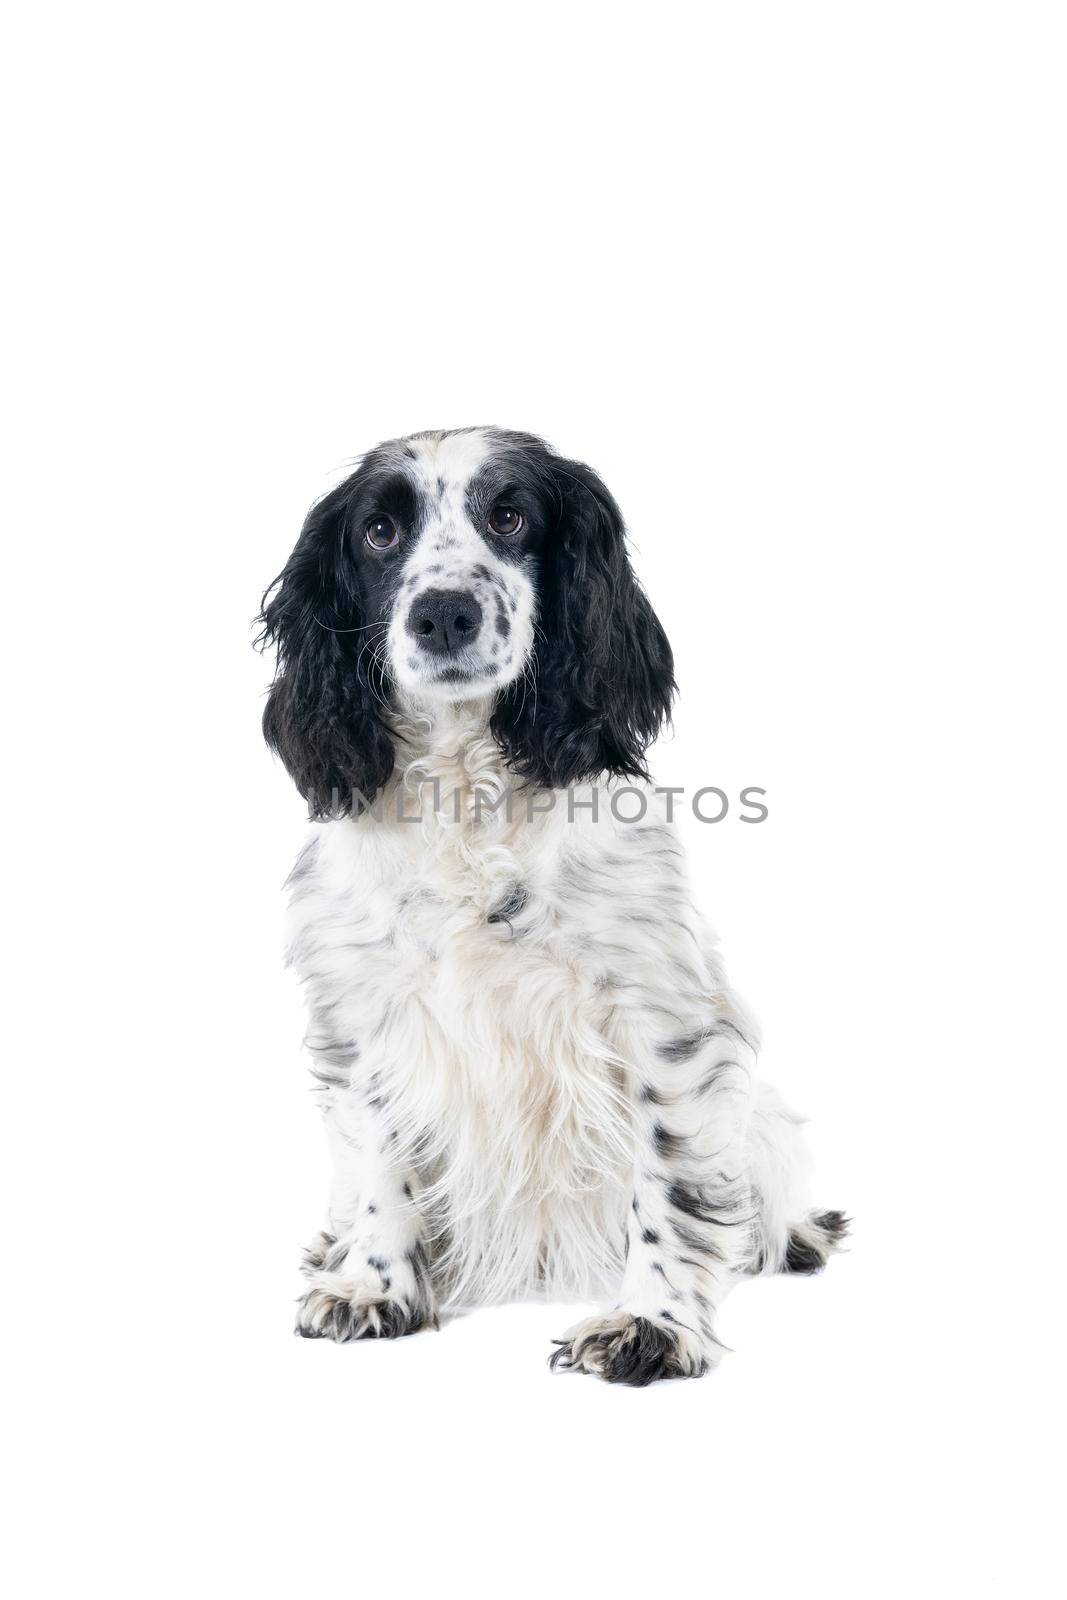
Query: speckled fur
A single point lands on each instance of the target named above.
(534, 1077)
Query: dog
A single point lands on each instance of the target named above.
(535, 1079)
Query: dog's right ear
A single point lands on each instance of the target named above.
(322, 714)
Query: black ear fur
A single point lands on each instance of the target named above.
(322, 713)
(603, 669)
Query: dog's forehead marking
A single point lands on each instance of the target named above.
(444, 464)
(441, 467)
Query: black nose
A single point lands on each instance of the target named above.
(444, 620)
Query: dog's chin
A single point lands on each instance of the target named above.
(454, 683)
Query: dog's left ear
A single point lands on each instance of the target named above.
(603, 669)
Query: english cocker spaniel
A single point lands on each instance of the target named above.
(534, 1077)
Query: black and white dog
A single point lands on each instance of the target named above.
(534, 1076)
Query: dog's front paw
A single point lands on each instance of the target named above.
(345, 1313)
(623, 1348)
(342, 1310)
(353, 1294)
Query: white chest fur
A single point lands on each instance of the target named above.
(445, 959)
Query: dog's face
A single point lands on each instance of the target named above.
(445, 532)
(473, 565)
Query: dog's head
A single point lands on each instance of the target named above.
(467, 566)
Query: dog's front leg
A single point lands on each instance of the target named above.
(369, 1274)
(690, 1224)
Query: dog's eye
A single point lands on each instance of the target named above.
(380, 533)
(505, 521)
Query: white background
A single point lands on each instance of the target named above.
(791, 277)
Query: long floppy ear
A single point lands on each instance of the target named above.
(603, 669)
(322, 711)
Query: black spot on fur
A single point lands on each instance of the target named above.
(692, 1240)
(687, 1197)
(510, 906)
(667, 1144)
(685, 1047)
(650, 1236)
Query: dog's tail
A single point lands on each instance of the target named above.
(812, 1242)
(789, 1235)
